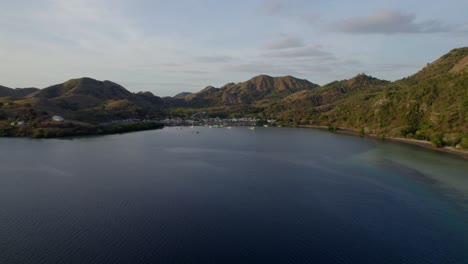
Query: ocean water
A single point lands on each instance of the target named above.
(273, 195)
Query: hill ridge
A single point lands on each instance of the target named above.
(431, 103)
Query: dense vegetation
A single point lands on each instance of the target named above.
(73, 129)
(431, 105)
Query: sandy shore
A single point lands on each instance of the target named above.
(419, 143)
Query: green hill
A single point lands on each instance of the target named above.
(82, 99)
(105, 90)
(430, 104)
(249, 92)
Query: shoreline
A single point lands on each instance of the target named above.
(420, 143)
(70, 130)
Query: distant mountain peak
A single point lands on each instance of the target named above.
(265, 83)
(363, 78)
(256, 88)
(86, 86)
(181, 95)
(82, 80)
(147, 93)
(209, 89)
(227, 85)
(261, 77)
(17, 92)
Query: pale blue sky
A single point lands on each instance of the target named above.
(171, 46)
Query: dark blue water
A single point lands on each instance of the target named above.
(230, 196)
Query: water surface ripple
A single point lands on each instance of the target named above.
(273, 195)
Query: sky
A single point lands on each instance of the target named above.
(167, 47)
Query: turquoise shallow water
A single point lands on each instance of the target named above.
(274, 195)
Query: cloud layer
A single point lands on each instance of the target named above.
(152, 45)
(389, 22)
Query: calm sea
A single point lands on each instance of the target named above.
(273, 195)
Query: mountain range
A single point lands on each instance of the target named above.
(431, 103)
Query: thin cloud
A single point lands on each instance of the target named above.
(213, 59)
(302, 52)
(462, 28)
(389, 22)
(285, 43)
(257, 67)
(281, 67)
(291, 9)
(272, 7)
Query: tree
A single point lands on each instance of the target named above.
(362, 132)
(464, 142)
(437, 140)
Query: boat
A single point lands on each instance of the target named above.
(228, 127)
(252, 128)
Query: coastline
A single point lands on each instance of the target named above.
(77, 129)
(414, 142)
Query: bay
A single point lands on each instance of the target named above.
(273, 195)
